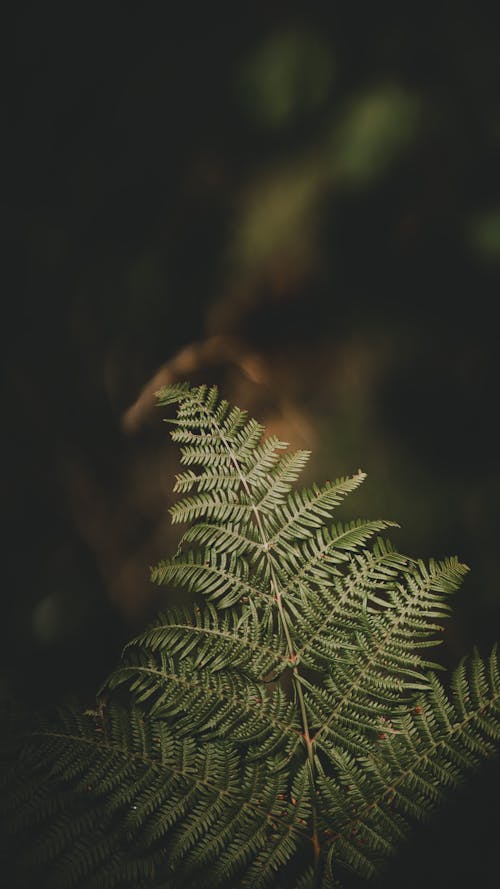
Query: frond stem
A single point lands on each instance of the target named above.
(284, 623)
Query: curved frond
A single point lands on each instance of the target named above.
(284, 727)
(222, 578)
(416, 759)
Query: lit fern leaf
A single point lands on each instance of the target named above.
(283, 728)
(374, 665)
(307, 509)
(315, 560)
(206, 481)
(271, 485)
(222, 578)
(212, 505)
(227, 538)
(220, 704)
(215, 639)
(343, 601)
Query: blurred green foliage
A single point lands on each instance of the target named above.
(373, 132)
(484, 234)
(287, 77)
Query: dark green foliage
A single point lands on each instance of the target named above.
(287, 726)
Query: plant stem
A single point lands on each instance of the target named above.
(291, 651)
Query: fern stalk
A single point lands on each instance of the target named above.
(277, 596)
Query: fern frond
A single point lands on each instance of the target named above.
(306, 509)
(210, 505)
(224, 579)
(416, 759)
(215, 639)
(221, 704)
(285, 727)
(146, 802)
(341, 599)
(226, 538)
(315, 560)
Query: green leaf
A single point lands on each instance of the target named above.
(284, 727)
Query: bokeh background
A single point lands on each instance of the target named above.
(298, 202)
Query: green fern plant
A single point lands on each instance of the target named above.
(286, 728)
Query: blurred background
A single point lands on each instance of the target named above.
(298, 202)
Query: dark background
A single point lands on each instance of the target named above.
(299, 202)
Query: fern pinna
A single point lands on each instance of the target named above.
(285, 729)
